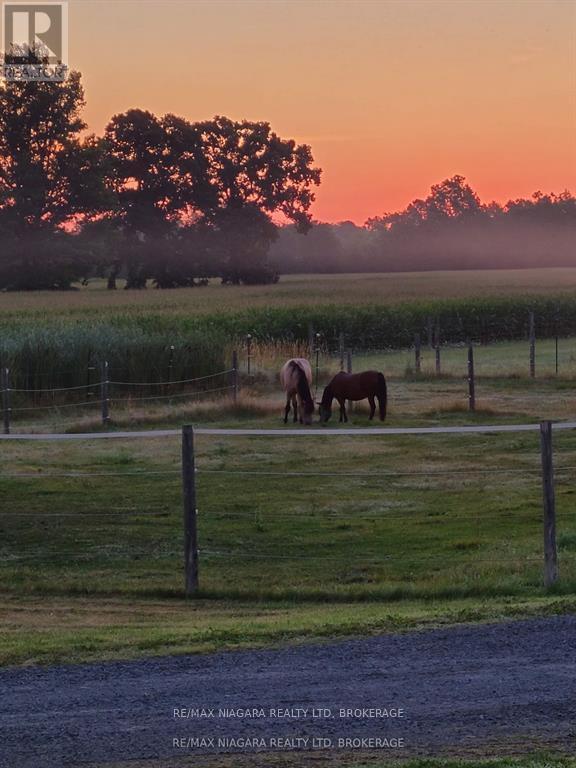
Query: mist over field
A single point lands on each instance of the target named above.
(451, 229)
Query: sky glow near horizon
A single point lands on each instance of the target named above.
(393, 96)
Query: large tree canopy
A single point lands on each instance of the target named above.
(249, 165)
(157, 170)
(47, 174)
(221, 180)
(50, 178)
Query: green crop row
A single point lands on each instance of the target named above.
(158, 347)
(371, 326)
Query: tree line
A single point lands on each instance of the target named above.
(450, 229)
(156, 199)
(164, 201)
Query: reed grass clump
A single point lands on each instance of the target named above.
(69, 355)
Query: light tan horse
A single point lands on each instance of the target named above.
(296, 378)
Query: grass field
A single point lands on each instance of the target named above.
(298, 540)
(381, 534)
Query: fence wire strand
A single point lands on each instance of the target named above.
(169, 383)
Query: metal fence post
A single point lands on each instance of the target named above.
(105, 393)
(6, 399)
(532, 346)
(437, 349)
(235, 377)
(471, 380)
(190, 512)
(317, 350)
(550, 549)
(556, 353)
(349, 370)
(249, 353)
(310, 338)
(417, 354)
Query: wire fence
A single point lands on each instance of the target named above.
(466, 365)
(467, 515)
(110, 394)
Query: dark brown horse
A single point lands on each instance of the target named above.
(355, 386)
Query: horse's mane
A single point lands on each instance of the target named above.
(303, 388)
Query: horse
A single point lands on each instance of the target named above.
(296, 378)
(354, 386)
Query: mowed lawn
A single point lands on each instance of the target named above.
(298, 537)
(292, 290)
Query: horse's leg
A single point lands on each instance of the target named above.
(287, 409)
(343, 416)
(372, 406)
(295, 406)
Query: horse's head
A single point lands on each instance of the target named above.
(325, 412)
(326, 405)
(308, 411)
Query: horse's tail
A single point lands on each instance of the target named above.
(382, 395)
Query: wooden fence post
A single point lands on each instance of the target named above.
(341, 350)
(550, 550)
(190, 512)
(235, 377)
(417, 354)
(6, 399)
(471, 380)
(532, 346)
(105, 393)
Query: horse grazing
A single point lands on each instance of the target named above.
(355, 386)
(296, 377)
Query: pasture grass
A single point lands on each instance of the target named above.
(378, 534)
(426, 396)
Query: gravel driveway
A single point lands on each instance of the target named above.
(422, 692)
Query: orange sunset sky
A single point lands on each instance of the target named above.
(392, 96)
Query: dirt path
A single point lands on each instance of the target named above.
(503, 684)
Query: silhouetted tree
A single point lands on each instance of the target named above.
(158, 174)
(48, 178)
(254, 175)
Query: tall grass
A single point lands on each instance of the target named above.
(156, 346)
(67, 355)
